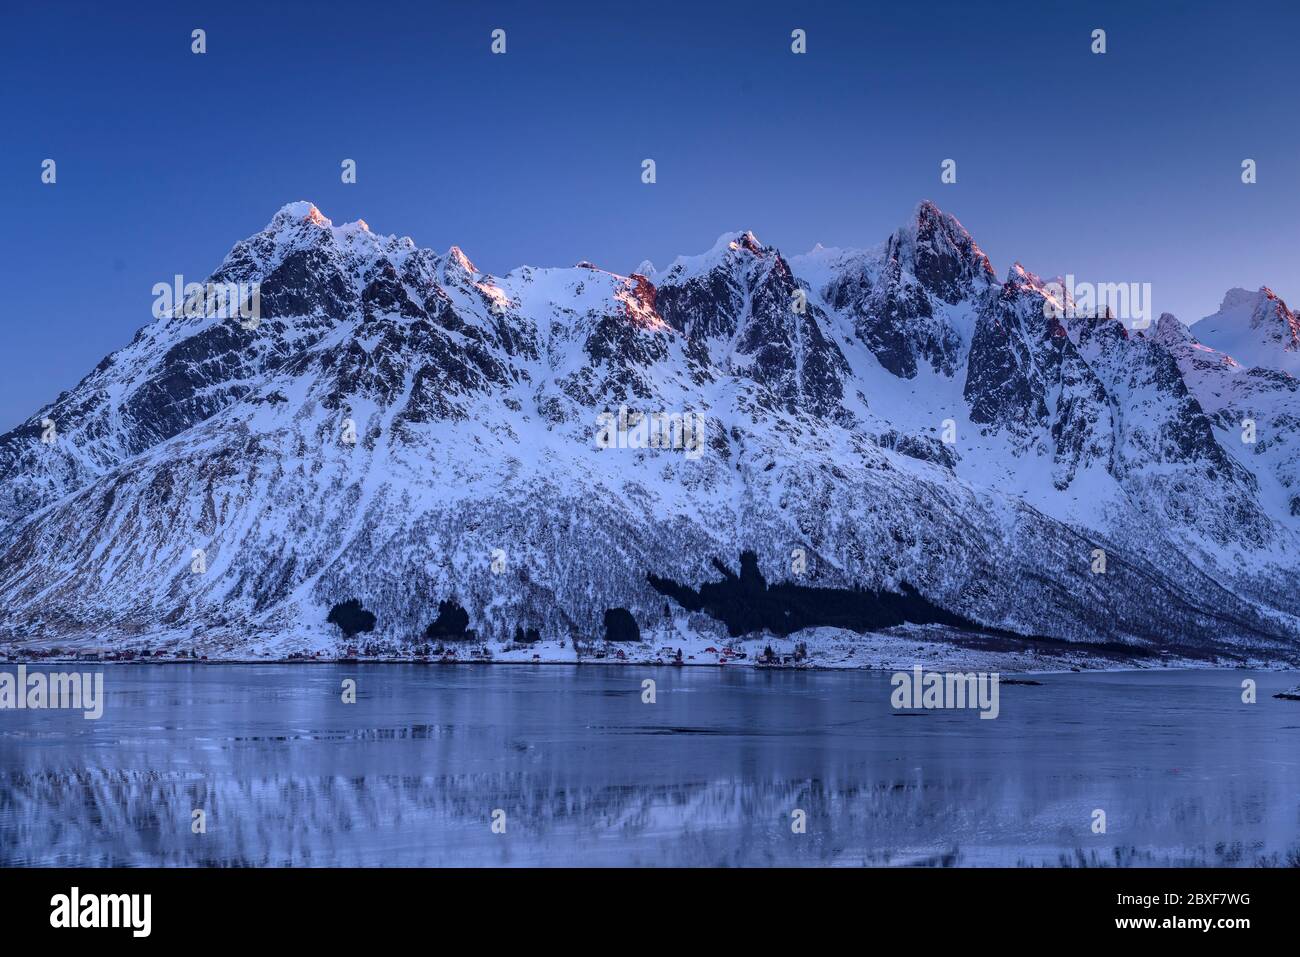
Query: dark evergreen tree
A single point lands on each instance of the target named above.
(621, 626)
(351, 617)
(452, 624)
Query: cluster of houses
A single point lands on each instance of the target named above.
(725, 654)
(437, 653)
(440, 653)
(117, 654)
(770, 659)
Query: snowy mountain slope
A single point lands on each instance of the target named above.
(1255, 328)
(474, 400)
(1237, 397)
(178, 371)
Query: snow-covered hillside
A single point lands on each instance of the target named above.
(880, 420)
(1255, 328)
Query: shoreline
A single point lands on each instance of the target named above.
(1182, 665)
(824, 649)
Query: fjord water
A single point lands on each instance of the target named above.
(588, 774)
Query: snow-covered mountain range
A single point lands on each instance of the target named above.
(887, 421)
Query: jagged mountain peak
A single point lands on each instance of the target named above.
(738, 239)
(1038, 294)
(1169, 328)
(1260, 308)
(300, 211)
(927, 218)
(1018, 275)
(305, 212)
(1238, 296)
(300, 240)
(739, 247)
(938, 250)
(1255, 328)
(456, 256)
(303, 222)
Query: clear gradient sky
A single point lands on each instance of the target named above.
(1123, 167)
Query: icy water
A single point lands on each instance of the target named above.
(588, 774)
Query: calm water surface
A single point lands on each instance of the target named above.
(587, 774)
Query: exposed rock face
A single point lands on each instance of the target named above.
(404, 429)
(739, 302)
(900, 295)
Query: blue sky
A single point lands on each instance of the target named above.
(1122, 168)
